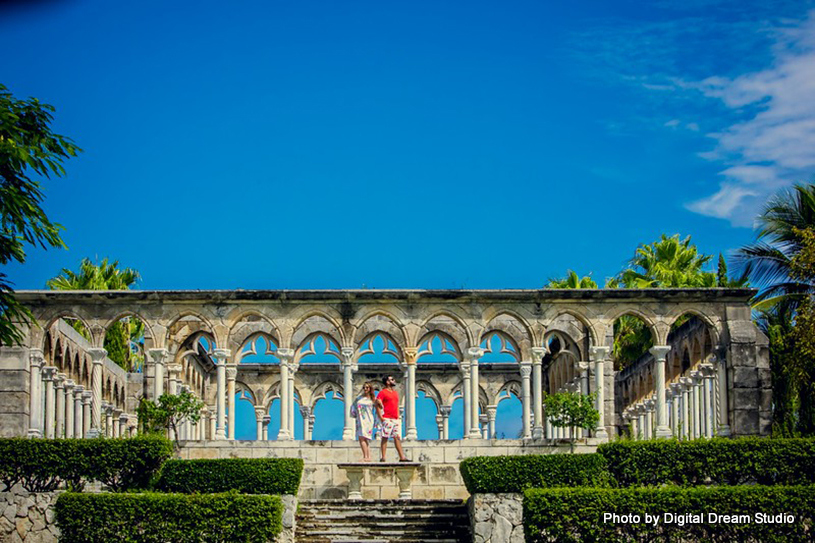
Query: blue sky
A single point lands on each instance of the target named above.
(411, 144)
(415, 145)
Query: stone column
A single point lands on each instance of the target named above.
(720, 362)
(123, 418)
(537, 392)
(550, 430)
(440, 425)
(59, 387)
(116, 431)
(639, 412)
(445, 413)
(348, 369)
(583, 368)
(491, 411)
(649, 418)
(97, 356)
(485, 428)
(306, 412)
(286, 356)
(696, 407)
(157, 357)
(231, 375)
(79, 390)
(266, 420)
(687, 411)
(293, 367)
(676, 391)
(474, 353)
(213, 423)
(109, 431)
(87, 399)
(410, 361)
(36, 362)
(48, 374)
(172, 378)
(526, 373)
(221, 356)
(260, 412)
(464, 367)
(708, 374)
(598, 355)
(69, 409)
(660, 353)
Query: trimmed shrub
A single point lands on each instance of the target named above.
(718, 461)
(496, 474)
(246, 475)
(42, 465)
(586, 514)
(150, 517)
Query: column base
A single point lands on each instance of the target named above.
(600, 433)
(724, 431)
(220, 434)
(348, 434)
(537, 432)
(475, 434)
(411, 433)
(93, 433)
(33, 433)
(663, 432)
(283, 435)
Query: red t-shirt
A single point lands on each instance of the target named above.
(390, 403)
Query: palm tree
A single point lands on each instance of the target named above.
(668, 263)
(768, 260)
(572, 280)
(123, 337)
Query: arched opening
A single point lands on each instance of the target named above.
(125, 342)
(499, 347)
(274, 422)
(378, 348)
(327, 424)
(509, 414)
(259, 349)
(319, 348)
(633, 338)
(245, 428)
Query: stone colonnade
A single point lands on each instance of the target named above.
(477, 346)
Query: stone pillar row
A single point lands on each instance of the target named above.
(695, 405)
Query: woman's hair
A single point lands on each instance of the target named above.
(370, 386)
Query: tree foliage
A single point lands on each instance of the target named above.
(123, 335)
(572, 280)
(571, 410)
(28, 147)
(168, 414)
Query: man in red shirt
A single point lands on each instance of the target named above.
(387, 407)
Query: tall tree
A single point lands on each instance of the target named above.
(106, 276)
(768, 261)
(669, 262)
(572, 280)
(28, 148)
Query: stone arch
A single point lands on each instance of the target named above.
(430, 391)
(398, 354)
(51, 318)
(240, 348)
(380, 320)
(505, 339)
(241, 386)
(57, 357)
(457, 351)
(451, 324)
(514, 327)
(580, 317)
(187, 325)
(712, 326)
(249, 324)
(646, 317)
(300, 351)
(322, 390)
(317, 322)
(510, 387)
(149, 341)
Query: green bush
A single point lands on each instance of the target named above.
(719, 461)
(496, 474)
(42, 465)
(149, 517)
(246, 475)
(579, 514)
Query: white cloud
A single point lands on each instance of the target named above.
(774, 145)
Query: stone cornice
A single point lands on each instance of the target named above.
(742, 295)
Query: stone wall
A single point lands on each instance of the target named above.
(27, 516)
(437, 478)
(496, 518)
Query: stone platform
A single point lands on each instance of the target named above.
(438, 476)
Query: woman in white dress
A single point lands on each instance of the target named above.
(363, 411)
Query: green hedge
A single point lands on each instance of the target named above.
(45, 464)
(246, 475)
(495, 474)
(716, 461)
(567, 515)
(150, 517)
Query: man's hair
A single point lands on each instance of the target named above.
(385, 379)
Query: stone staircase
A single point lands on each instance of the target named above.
(382, 521)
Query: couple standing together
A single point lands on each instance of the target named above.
(386, 407)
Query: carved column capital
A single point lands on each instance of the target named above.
(537, 355)
(285, 355)
(221, 354)
(48, 373)
(475, 353)
(445, 410)
(599, 353)
(660, 352)
(157, 356)
(97, 354)
(231, 372)
(526, 369)
(36, 358)
(411, 355)
(464, 368)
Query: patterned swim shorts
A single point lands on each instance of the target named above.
(390, 428)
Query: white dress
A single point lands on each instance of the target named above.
(363, 411)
